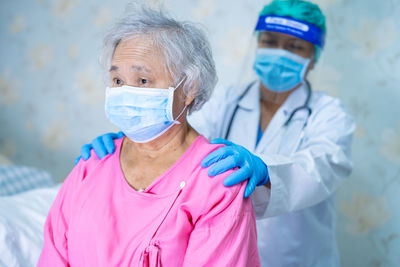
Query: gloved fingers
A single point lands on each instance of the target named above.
(77, 160)
(85, 151)
(221, 141)
(120, 134)
(108, 141)
(260, 171)
(99, 147)
(223, 165)
(251, 185)
(238, 176)
(215, 156)
(265, 180)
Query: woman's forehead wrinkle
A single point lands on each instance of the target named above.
(133, 50)
(141, 68)
(129, 52)
(140, 55)
(134, 47)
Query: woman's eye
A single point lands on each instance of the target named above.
(117, 81)
(143, 81)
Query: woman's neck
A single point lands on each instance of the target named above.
(172, 143)
(142, 163)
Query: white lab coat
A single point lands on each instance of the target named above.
(296, 218)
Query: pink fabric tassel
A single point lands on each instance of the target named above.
(151, 255)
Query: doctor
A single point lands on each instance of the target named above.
(289, 141)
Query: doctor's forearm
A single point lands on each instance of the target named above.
(304, 182)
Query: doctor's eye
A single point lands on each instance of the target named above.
(268, 42)
(296, 47)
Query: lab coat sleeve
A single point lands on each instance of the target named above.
(55, 249)
(312, 173)
(226, 235)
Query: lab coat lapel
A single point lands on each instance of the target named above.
(278, 138)
(245, 124)
(271, 136)
(293, 133)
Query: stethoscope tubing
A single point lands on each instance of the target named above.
(304, 106)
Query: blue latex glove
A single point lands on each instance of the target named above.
(102, 145)
(252, 168)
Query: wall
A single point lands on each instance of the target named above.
(51, 94)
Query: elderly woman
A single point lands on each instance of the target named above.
(150, 204)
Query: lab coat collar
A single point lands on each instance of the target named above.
(251, 99)
(251, 102)
(295, 99)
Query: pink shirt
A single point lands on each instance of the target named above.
(184, 218)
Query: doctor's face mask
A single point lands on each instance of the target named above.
(278, 69)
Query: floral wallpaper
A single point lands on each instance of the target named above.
(52, 94)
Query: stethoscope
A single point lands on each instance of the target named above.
(305, 106)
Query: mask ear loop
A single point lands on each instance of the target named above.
(180, 114)
(305, 67)
(176, 87)
(171, 102)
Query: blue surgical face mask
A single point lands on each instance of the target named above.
(280, 70)
(142, 114)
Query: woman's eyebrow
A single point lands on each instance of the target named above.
(113, 68)
(134, 67)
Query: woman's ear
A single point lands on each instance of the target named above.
(189, 100)
(189, 103)
(192, 96)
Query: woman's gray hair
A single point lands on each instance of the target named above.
(184, 45)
